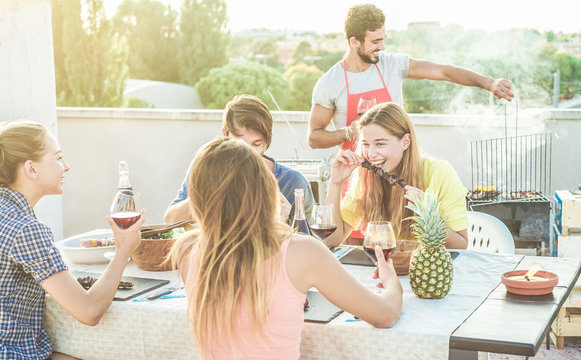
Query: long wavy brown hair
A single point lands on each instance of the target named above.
(234, 198)
(374, 197)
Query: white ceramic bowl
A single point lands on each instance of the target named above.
(71, 247)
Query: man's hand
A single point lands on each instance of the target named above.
(502, 89)
(354, 130)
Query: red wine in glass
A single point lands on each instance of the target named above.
(126, 218)
(370, 251)
(323, 231)
(126, 208)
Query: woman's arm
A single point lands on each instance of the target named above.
(89, 306)
(309, 263)
(343, 165)
(456, 239)
(343, 229)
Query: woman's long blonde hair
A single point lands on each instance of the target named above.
(234, 198)
(374, 197)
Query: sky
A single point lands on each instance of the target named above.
(326, 16)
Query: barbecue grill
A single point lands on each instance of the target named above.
(510, 177)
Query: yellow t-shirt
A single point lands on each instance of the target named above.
(440, 178)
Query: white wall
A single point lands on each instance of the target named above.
(159, 144)
(27, 85)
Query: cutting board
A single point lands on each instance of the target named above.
(140, 285)
(320, 309)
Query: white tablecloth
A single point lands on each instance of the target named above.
(158, 329)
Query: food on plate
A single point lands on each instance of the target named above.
(88, 281)
(172, 234)
(91, 243)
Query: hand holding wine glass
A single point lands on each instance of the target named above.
(379, 233)
(365, 103)
(322, 221)
(126, 208)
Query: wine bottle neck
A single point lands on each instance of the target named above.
(299, 207)
(124, 179)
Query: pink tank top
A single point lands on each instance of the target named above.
(284, 324)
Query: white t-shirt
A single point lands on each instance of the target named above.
(331, 90)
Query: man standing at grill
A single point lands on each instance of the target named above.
(366, 71)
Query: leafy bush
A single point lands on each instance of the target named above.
(221, 84)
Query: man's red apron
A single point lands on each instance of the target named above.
(381, 95)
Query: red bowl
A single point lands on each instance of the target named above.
(524, 287)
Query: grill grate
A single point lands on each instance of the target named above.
(513, 168)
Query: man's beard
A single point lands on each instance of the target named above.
(366, 58)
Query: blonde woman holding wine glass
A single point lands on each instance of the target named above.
(247, 274)
(31, 167)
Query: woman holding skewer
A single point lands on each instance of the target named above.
(386, 171)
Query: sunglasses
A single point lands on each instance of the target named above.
(390, 178)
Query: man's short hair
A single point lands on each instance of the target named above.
(362, 18)
(250, 112)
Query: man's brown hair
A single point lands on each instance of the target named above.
(250, 112)
(361, 18)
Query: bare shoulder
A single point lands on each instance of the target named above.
(305, 244)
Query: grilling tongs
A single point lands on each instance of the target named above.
(390, 178)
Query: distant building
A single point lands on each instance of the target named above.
(163, 95)
(572, 46)
(424, 25)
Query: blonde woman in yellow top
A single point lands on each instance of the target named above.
(388, 141)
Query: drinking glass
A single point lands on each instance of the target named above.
(322, 221)
(379, 233)
(365, 103)
(126, 208)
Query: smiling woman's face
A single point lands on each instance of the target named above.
(381, 148)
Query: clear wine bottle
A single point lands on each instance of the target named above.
(300, 224)
(125, 209)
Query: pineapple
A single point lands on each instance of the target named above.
(431, 267)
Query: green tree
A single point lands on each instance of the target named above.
(265, 52)
(203, 39)
(221, 84)
(91, 60)
(302, 79)
(150, 29)
(327, 59)
(303, 49)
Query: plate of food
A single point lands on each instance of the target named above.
(89, 247)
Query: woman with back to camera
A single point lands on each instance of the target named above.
(32, 166)
(247, 275)
(388, 142)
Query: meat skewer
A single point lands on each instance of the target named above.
(390, 178)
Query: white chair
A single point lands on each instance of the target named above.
(488, 234)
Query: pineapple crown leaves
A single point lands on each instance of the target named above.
(428, 225)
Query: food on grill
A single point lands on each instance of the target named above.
(488, 192)
(484, 192)
(431, 268)
(517, 195)
(88, 281)
(390, 178)
(90, 243)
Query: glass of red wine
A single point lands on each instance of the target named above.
(322, 221)
(366, 102)
(126, 208)
(379, 233)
